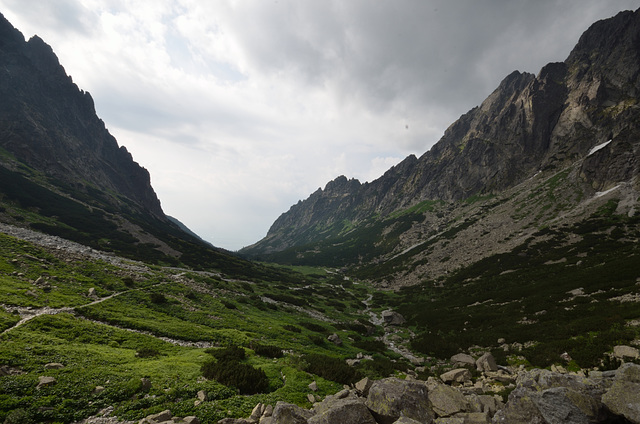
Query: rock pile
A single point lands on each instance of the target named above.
(540, 396)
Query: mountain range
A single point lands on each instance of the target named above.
(575, 126)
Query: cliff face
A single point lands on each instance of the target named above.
(529, 124)
(49, 124)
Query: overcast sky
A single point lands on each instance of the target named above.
(239, 109)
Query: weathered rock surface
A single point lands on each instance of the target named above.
(343, 411)
(447, 401)
(461, 359)
(391, 398)
(623, 398)
(486, 363)
(287, 413)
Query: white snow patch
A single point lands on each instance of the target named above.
(598, 147)
(602, 193)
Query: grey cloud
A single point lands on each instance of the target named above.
(420, 53)
(60, 15)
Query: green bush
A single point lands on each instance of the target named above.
(331, 368)
(227, 369)
(267, 350)
(18, 416)
(229, 305)
(231, 353)
(313, 327)
(157, 298)
(147, 352)
(370, 345)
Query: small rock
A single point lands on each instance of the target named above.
(146, 383)
(160, 417)
(335, 339)
(342, 394)
(363, 386)
(256, 413)
(98, 390)
(53, 366)
(46, 381)
(191, 420)
(311, 398)
(202, 395)
(313, 386)
(268, 411)
(458, 375)
(393, 318)
(626, 352)
(462, 359)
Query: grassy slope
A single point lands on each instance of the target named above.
(179, 304)
(523, 296)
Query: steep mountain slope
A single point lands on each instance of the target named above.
(532, 135)
(63, 173)
(49, 124)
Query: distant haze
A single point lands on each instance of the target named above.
(241, 108)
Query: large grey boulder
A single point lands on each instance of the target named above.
(343, 411)
(623, 398)
(626, 352)
(447, 401)
(287, 413)
(391, 398)
(564, 405)
(392, 318)
(486, 363)
(462, 359)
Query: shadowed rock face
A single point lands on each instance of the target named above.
(49, 124)
(528, 124)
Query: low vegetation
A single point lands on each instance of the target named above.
(144, 338)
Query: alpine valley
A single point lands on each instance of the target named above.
(496, 278)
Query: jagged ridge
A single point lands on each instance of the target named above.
(51, 125)
(527, 125)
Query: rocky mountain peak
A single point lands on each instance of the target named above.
(49, 124)
(528, 124)
(342, 185)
